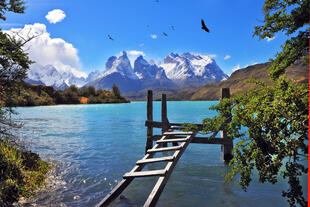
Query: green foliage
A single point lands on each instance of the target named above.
(16, 6)
(116, 90)
(290, 17)
(271, 126)
(21, 172)
(270, 123)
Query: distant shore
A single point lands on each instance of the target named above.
(25, 94)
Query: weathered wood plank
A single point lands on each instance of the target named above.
(178, 133)
(158, 159)
(149, 133)
(164, 149)
(157, 124)
(161, 182)
(227, 149)
(172, 140)
(117, 190)
(164, 118)
(199, 140)
(145, 173)
(120, 187)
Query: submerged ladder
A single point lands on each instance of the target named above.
(164, 174)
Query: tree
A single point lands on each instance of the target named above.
(116, 91)
(14, 62)
(275, 117)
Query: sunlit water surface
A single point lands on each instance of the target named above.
(92, 146)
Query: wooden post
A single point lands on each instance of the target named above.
(164, 119)
(226, 148)
(149, 109)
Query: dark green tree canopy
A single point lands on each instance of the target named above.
(16, 6)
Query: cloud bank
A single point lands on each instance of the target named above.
(45, 50)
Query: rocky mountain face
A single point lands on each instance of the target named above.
(176, 71)
(190, 68)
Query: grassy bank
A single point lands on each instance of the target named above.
(21, 173)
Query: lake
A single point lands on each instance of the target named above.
(92, 147)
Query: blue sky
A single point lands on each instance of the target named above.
(132, 22)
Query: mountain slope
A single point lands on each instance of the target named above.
(298, 72)
(236, 82)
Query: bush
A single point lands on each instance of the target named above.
(21, 172)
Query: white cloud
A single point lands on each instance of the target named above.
(212, 55)
(154, 36)
(141, 45)
(227, 57)
(270, 38)
(55, 16)
(236, 67)
(45, 50)
(133, 54)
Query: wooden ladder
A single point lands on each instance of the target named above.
(164, 174)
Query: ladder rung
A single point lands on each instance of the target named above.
(178, 133)
(159, 159)
(172, 140)
(164, 149)
(145, 173)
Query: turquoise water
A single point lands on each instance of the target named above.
(94, 145)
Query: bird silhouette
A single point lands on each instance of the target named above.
(110, 37)
(203, 26)
(164, 33)
(2, 17)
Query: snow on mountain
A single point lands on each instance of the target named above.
(177, 70)
(120, 65)
(50, 76)
(93, 75)
(190, 68)
(145, 70)
(150, 75)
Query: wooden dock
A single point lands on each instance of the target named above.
(179, 140)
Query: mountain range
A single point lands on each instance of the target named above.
(176, 71)
(237, 82)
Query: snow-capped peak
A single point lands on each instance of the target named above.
(120, 65)
(192, 67)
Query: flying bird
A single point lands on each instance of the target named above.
(203, 26)
(2, 17)
(164, 33)
(110, 37)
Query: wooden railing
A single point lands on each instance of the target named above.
(225, 141)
